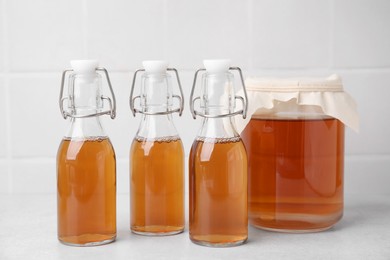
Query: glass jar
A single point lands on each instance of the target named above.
(295, 145)
(218, 162)
(157, 155)
(86, 164)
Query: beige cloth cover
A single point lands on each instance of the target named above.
(324, 95)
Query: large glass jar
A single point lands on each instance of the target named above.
(295, 145)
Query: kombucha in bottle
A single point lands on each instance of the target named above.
(156, 156)
(86, 167)
(218, 163)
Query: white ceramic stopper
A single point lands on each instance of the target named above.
(217, 66)
(84, 66)
(155, 66)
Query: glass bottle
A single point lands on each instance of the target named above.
(86, 166)
(156, 156)
(218, 163)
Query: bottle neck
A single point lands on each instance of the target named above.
(85, 94)
(157, 127)
(218, 128)
(85, 128)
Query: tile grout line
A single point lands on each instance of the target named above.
(7, 99)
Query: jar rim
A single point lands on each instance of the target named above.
(317, 84)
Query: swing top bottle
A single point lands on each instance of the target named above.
(156, 156)
(86, 165)
(218, 162)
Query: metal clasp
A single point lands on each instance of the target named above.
(180, 98)
(244, 100)
(112, 104)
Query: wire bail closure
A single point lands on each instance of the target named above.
(244, 100)
(112, 103)
(180, 98)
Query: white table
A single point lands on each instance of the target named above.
(28, 231)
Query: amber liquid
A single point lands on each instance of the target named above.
(295, 173)
(218, 193)
(86, 185)
(157, 186)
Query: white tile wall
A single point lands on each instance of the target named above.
(122, 176)
(2, 34)
(264, 37)
(124, 33)
(36, 123)
(196, 30)
(43, 35)
(361, 33)
(367, 174)
(291, 34)
(186, 126)
(34, 176)
(371, 92)
(122, 129)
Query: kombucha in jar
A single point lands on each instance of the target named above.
(294, 138)
(156, 158)
(218, 164)
(296, 173)
(86, 165)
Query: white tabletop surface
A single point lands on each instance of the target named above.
(28, 231)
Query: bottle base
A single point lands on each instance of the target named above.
(293, 231)
(87, 240)
(297, 223)
(219, 240)
(157, 230)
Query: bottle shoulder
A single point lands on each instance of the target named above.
(86, 129)
(85, 147)
(165, 144)
(227, 146)
(157, 128)
(162, 139)
(218, 155)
